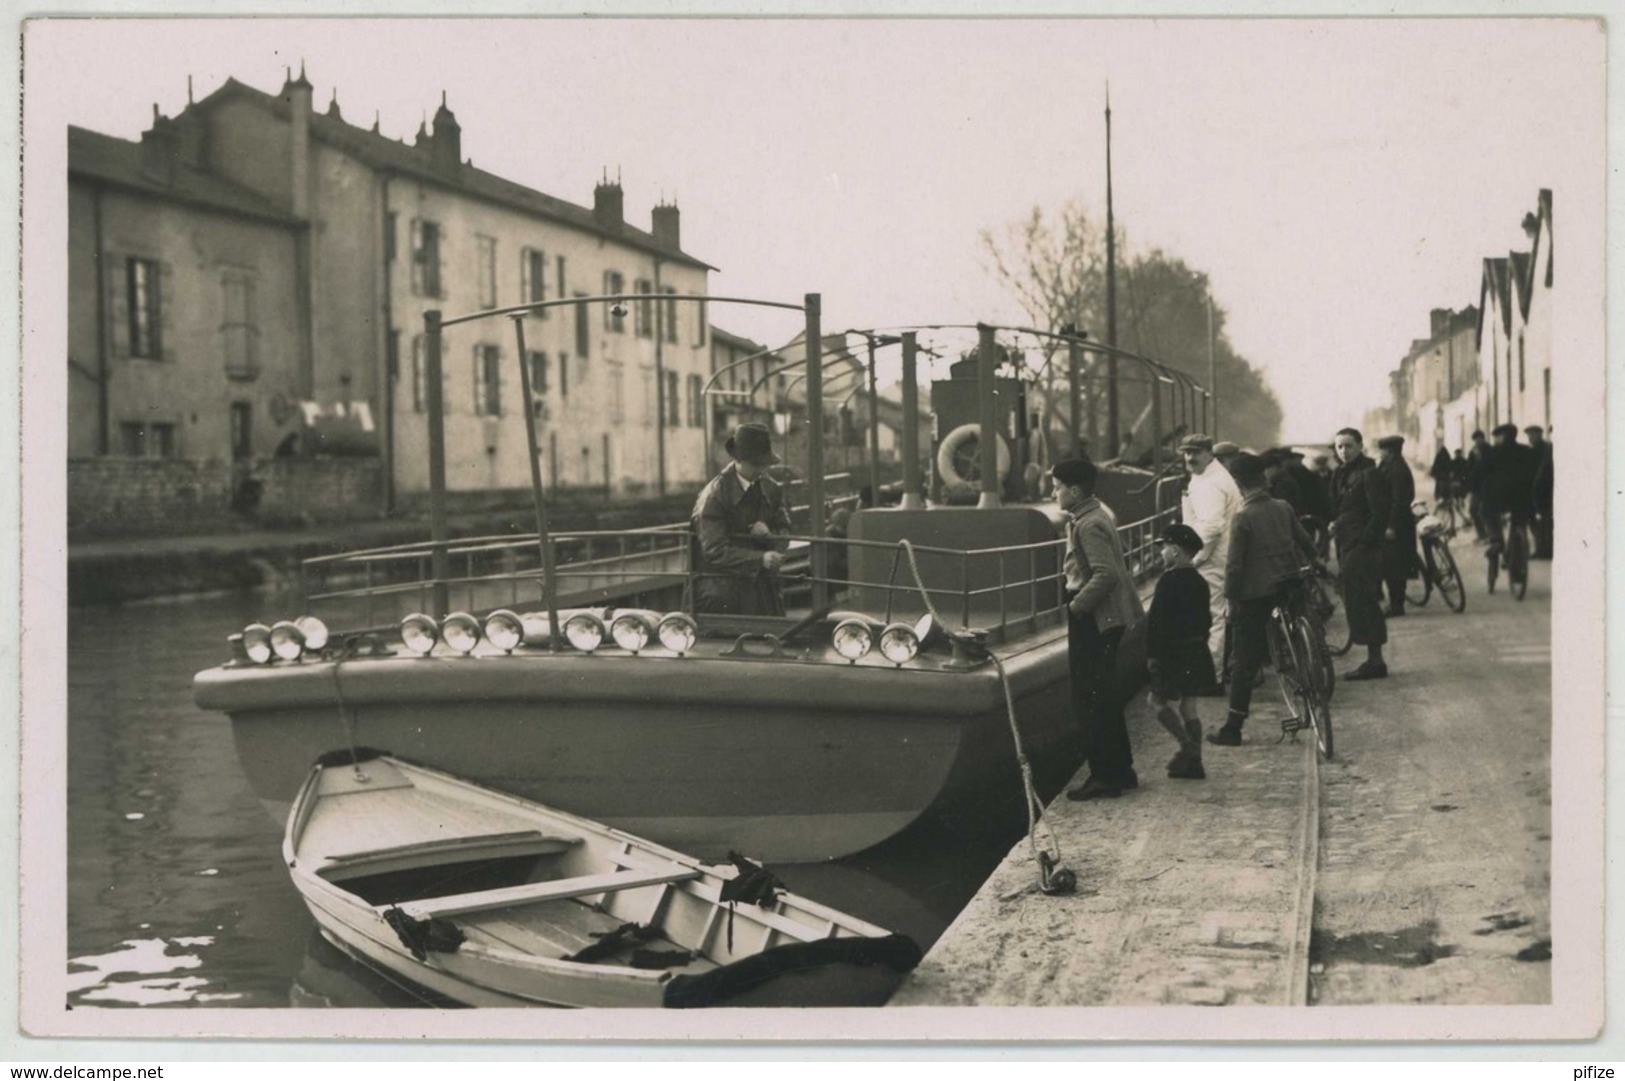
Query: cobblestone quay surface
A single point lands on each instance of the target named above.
(1434, 847)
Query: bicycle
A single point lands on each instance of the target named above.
(1515, 552)
(1293, 645)
(1435, 566)
(1326, 611)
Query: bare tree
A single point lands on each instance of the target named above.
(1056, 269)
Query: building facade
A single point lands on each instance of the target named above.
(252, 277)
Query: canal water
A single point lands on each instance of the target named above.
(176, 891)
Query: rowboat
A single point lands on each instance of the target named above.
(490, 900)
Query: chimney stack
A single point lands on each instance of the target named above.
(1439, 319)
(666, 226)
(608, 203)
(446, 148)
(160, 148)
(296, 92)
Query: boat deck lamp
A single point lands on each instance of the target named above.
(419, 633)
(853, 639)
(899, 644)
(504, 629)
(585, 631)
(287, 640)
(678, 632)
(461, 632)
(257, 643)
(315, 632)
(634, 630)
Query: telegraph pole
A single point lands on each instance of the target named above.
(1114, 446)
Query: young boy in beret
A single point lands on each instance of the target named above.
(1176, 644)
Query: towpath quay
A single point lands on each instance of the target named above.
(1412, 868)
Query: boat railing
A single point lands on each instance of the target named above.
(1004, 587)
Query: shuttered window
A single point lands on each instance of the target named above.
(488, 380)
(239, 330)
(425, 258)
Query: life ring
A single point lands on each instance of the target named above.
(950, 446)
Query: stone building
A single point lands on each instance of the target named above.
(252, 277)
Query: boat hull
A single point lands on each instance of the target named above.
(789, 759)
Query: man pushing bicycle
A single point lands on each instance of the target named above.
(1263, 571)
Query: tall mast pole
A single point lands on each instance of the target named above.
(1114, 446)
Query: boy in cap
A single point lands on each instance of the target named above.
(740, 524)
(1176, 645)
(1399, 554)
(1101, 604)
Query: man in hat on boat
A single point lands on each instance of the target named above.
(1210, 501)
(1399, 557)
(741, 522)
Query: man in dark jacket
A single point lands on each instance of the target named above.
(1399, 558)
(1360, 508)
(1543, 490)
(1475, 484)
(1268, 549)
(740, 523)
(1508, 485)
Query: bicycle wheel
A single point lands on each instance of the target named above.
(1450, 585)
(1518, 564)
(1334, 619)
(1315, 699)
(1420, 588)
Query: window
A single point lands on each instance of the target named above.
(533, 278)
(242, 431)
(673, 414)
(643, 313)
(238, 331)
(564, 375)
(143, 439)
(486, 246)
(583, 329)
(146, 313)
(614, 285)
(617, 394)
(419, 394)
(1520, 363)
(425, 258)
(671, 313)
(488, 380)
(696, 402)
(390, 221)
(560, 277)
(538, 373)
(651, 398)
(699, 323)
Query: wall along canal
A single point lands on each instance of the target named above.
(176, 891)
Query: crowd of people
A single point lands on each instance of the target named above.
(1252, 525)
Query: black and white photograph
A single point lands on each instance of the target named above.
(832, 528)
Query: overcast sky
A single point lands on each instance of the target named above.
(1336, 179)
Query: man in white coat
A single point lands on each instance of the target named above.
(1210, 502)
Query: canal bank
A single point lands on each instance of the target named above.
(1430, 846)
(125, 570)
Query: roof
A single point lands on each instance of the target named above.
(1494, 287)
(1520, 263)
(735, 341)
(384, 153)
(121, 163)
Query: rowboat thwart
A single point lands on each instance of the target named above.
(490, 900)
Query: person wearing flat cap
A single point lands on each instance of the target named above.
(1101, 604)
(1360, 508)
(1508, 486)
(1176, 648)
(1399, 555)
(1210, 501)
(1268, 550)
(741, 522)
